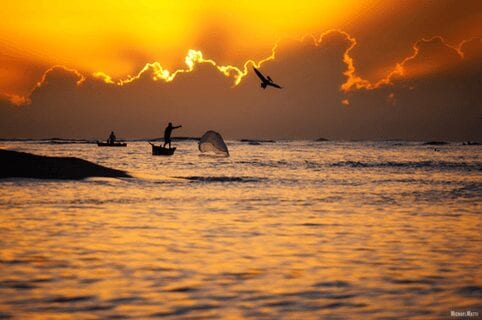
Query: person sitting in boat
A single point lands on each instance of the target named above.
(167, 134)
(112, 138)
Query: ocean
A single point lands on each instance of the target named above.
(282, 230)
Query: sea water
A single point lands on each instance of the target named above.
(284, 230)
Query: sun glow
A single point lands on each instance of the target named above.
(192, 58)
(117, 38)
(119, 42)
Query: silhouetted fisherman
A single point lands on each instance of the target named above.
(167, 134)
(112, 138)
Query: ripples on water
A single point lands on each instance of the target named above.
(294, 230)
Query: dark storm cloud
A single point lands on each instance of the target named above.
(440, 103)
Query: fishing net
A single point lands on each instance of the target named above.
(212, 141)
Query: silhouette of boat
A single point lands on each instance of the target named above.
(161, 151)
(115, 144)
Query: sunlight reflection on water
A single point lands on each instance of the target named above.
(280, 230)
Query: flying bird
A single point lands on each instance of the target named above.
(265, 81)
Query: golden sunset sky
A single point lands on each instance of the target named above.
(164, 59)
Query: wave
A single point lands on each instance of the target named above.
(220, 179)
(269, 163)
(256, 141)
(68, 141)
(439, 165)
(315, 165)
(435, 143)
(50, 140)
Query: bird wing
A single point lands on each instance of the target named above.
(260, 75)
(274, 85)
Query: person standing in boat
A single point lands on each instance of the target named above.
(112, 138)
(167, 134)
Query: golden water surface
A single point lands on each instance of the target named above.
(286, 230)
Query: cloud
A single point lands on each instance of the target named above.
(322, 95)
(13, 99)
(434, 93)
(386, 35)
(471, 49)
(430, 56)
(15, 70)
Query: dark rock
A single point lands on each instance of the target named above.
(27, 165)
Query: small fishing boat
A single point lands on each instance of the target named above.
(161, 151)
(115, 144)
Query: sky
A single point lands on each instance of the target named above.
(349, 69)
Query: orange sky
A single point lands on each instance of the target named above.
(119, 37)
(119, 41)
